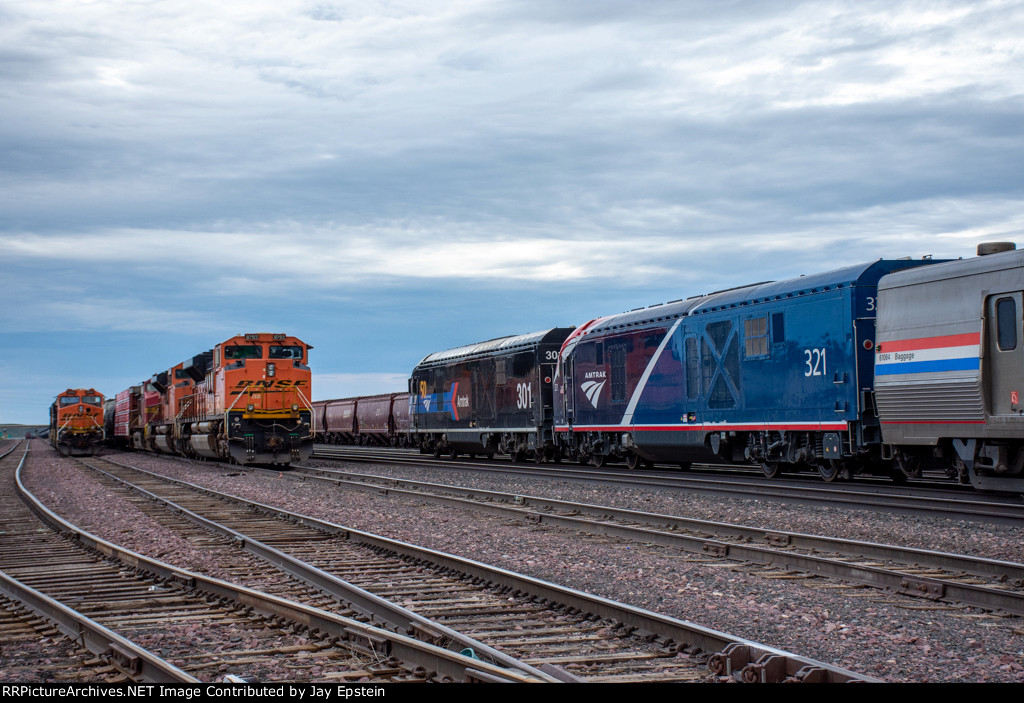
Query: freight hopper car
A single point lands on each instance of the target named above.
(488, 398)
(246, 400)
(378, 420)
(950, 368)
(76, 422)
(777, 374)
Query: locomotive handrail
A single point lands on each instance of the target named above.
(312, 412)
(184, 407)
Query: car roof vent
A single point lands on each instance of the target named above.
(986, 248)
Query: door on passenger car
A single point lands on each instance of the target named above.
(1005, 352)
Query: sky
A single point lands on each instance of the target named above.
(385, 179)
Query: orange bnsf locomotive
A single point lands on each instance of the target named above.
(76, 422)
(245, 400)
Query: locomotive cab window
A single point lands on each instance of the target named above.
(91, 399)
(69, 400)
(243, 351)
(284, 352)
(1006, 323)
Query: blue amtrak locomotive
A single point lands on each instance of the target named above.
(779, 374)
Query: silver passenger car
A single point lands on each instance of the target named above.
(949, 367)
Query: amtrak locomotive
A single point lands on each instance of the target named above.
(490, 398)
(882, 368)
(778, 374)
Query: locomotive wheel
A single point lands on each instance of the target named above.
(685, 465)
(598, 460)
(452, 454)
(910, 466)
(437, 452)
(490, 455)
(771, 469)
(829, 470)
(515, 456)
(632, 461)
(538, 456)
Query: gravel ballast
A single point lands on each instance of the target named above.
(886, 636)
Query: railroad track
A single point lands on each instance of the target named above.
(37, 650)
(924, 499)
(939, 576)
(571, 635)
(157, 623)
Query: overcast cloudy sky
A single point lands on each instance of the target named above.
(389, 178)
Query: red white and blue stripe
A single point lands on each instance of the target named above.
(953, 352)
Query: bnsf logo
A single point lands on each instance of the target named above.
(270, 385)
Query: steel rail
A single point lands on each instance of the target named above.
(137, 663)
(445, 664)
(841, 495)
(393, 616)
(134, 661)
(733, 541)
(782, 664)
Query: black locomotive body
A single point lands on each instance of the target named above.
(489, 398)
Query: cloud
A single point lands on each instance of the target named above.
(353, 168)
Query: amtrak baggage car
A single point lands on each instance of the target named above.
(488, 398)
(950, 367)
(779, 374)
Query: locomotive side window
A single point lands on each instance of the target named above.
(522, 364)
(243, 351)
(69, 400)
(755, 337)
(1006, 322)
(778, 328)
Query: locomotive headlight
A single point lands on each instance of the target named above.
(295, 406)
(271, 370)
(250, 407)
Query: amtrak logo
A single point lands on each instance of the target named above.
(592, 389)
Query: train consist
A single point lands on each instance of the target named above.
(888, 368)
(246, 400)
(76, 422)
(883, 368)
